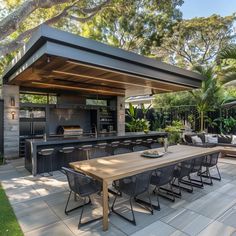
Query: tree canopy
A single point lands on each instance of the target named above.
(196, 42)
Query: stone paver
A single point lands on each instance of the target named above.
(39, 202)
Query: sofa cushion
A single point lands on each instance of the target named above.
(188, 137)
(212, 139)
(233, 139)
(224, 138)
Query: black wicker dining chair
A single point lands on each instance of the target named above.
(196, 169)
(161, 177)
(181, 172)
(134, 186)
(84, 186)
(210, 162)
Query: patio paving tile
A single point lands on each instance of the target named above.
(229, 189)
(93, 229)
(142, 216)
(39, 202)
(37, 219)
(229, 217)
(187, 221)
(159, 228)
(57, 229)
(212, 205)
(21, 194)
(218, 229)
(29, 207)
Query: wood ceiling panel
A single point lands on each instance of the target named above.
(67, 75)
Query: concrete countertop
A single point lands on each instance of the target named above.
(82, 139)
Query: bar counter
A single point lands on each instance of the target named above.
(33, 146)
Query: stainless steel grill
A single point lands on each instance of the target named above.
(69, 130)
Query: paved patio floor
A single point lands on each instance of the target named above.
(39, 203)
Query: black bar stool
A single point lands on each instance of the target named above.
(155, 144)
(86, 149)
(100, 150)
(127, 142)
(66, 156)
(46, 154)
(137, 142)
(113, 145)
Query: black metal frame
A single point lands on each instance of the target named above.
(212, 164)
(82, 211)
(133, 195)
(148, 206)
(207, 174)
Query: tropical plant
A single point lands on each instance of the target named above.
(207, 97)
(211, 123)
(174, 132)
(145, 110)
(227, 57)
(136, 124)
(191, 120)
(229, 124)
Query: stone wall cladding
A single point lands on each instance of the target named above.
(120, 115)
(11, 127)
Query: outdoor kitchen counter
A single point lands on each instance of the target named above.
(34, 145)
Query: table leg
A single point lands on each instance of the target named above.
(105, 205)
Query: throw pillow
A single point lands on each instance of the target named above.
(196, 140)
(212, 139)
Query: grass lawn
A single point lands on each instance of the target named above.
(8, 222)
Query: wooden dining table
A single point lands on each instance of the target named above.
(110, 168)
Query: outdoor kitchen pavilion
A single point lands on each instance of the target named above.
(58, 62)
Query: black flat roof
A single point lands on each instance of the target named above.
(50, 41)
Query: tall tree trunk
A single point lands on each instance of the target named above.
(202, 120)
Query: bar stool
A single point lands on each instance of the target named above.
(148, 142)
(66, 154)
(155, 144)
(86, 149)
(46, 154)
(126, 142)
(113, 145)
(138, 142)
(100, 150)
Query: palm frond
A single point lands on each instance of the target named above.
(228, 77)
(228, 52)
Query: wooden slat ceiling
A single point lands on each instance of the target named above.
(56, 73)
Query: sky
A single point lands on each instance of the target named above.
(204, 8)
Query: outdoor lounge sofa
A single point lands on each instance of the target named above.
(228, 142)
(220, 139)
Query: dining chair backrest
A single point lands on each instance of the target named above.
(142, 182)
(162, 176)
(138, 148)
(197, 164)
(183, 169)
(135, 185)
(77, 181)
(211, 160)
